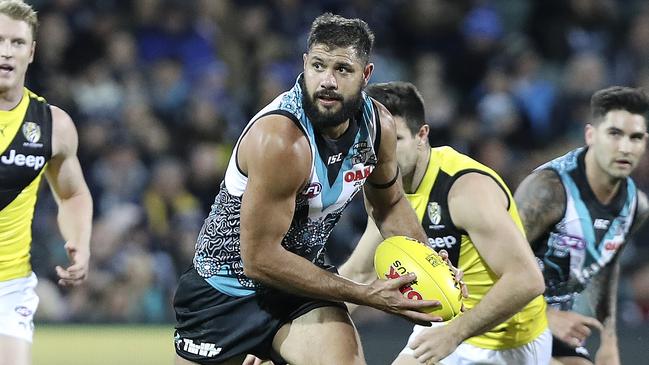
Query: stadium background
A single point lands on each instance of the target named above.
(159, 91)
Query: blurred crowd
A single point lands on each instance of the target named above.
(160, 89)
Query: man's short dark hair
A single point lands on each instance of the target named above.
(402, 99)
(635, 101)
(335, 31)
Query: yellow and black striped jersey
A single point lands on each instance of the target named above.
(430, 202)
(26, 145)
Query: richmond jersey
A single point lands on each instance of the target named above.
(430, 202)
(26, 145)
(339, 169)
(588, 236)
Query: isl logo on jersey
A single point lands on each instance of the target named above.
(32, 132)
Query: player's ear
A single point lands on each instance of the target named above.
(367, 73)
(423, 132)
(589, 134)
(32, 51)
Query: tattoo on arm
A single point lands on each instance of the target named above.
(541, 202)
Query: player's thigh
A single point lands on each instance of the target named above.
(238, 360)
(570, 360)
(322, 336)
(15, 351)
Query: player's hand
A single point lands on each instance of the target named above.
(607, 355)
(386, 296)
(77, 272)
(434, 344)
(570, 327)
(457, 275)
(608, 352)
(253, 360)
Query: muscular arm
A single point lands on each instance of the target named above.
(541, 201)
(388, 206)
(267, 209)
(65, 177)
(478, 205)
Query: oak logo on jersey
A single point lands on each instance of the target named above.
(434, 213)
(358, 175)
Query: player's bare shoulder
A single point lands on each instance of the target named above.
(275, 142)
(541, 202)
(385, 118)
(64, 133)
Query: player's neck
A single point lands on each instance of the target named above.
(603, 186)
(335, 132)
(411, 182)
(10, 98)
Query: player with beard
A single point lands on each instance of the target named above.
(259, 283)
(578, 211)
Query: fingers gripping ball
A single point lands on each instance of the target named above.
(399, 255)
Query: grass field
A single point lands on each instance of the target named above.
(103, 345)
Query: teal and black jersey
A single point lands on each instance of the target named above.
(588, 236)
(339, 170)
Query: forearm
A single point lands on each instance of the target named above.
(499, 304)
(75, 219)
(400, 220)
(606, 309)
(291, 273)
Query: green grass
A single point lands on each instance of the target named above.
(103, 345)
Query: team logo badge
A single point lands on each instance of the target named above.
(363, 153)
(434, 212)
(23, 311)
(32, 132)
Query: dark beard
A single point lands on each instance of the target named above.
(326, 119)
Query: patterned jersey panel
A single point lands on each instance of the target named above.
(339, 170)
(588, 236)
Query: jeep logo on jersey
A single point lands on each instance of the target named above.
(363, 154)
(358, 174)
(18, 159)
(32, 132)
(434, 212)
(442, 242)
(312, 190)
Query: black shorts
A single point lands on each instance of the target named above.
(562, 349)
(212, 327)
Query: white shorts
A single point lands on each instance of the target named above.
(537, 352)
(18, 302)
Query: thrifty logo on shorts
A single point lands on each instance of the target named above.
(204, 349)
